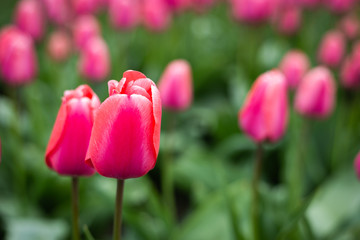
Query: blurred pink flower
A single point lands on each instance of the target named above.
(125, 14)
(315, 96)
(30, 19)
(357, 165)
(310, 3)
(253, 11)
(332, 48)
(94, 62)
(85, 6)
(59, 45)
(294, 65)
(84, 28)
(289, 20)
(350, 26)
(175, 85)
(201, 5)
(178, 5)
(58, 11)
(156, 15)
(18, 62)
(264, 115)
(340, 6)
(350, 73)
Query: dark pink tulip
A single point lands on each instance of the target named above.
(178, 5)
(350, 26)
(332, 48)
(69, 140)
(264, 115)
(125, 14)
(156, 15)
(350, 73)
(315, 96)
(59, 45)
(58, 11)
(294, 65)
(18, 63)
(85, 6)
(29, 18)
(253, 11)
(125, 138)
(357, 165)
(289, 20)
(340, 6)
(94, 62)
(84, 28)
(175, 85)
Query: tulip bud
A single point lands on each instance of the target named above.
(156, 15)
(357, 165)
(125, 14)
(18, 63)
(85, 6)
(264, 115)
(175, 85)
(69, 140)
(332, 49)
(350, 26)
(59, 46)
(289, 20)
(85, 27)
(340, 6)
(125, 138)
(253, 11)
(58, 11)
(94, 62)
(294, 65)
(29, 18)
(315, 96)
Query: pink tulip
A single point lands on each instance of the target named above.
(69, 140)
(94, 62)
(332, 48)
(125, 14)
(58, 11)
(294, 65)
(201, 5)
(175, 85)
(357, 165)
(85, 27)
(253, 11)
(264, 115)
(315, 96)
(340, 6)
(18, 63)
(125, 138)
(156, 15)
(310, 3)
(59, 45)
(289, 20)
(350, 73)
(350, 26)
(85, 6)
(178, 5)
(29, 18)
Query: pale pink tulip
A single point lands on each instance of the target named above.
(59, 45)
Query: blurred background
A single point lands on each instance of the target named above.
(212, 158)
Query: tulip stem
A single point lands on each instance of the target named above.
(75, 208)
(256, 196)
(118, 209)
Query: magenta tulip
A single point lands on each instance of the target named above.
(175, 85)
(94, 62)
(85, 6)
(29, 18)
(58, 11)
(289, 20)
(253, 11)
(178, 5)
(357, 165)
(332, 48)
(69, 140)
(59, 45)
(294, 65)
(264, 115)
(18, 63)
(315, 96)
(126, 134)
(156, 15)
(340, 6)
(125, 14)
(84, 28)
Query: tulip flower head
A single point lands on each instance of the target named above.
(332, 48)
(350, 26)
(126, 134)
(253, 11)
(70, 136)
(309, 3)
(178, 5)
(59, 45)
(315, 96)
(85, 6)
(29, 18)
(264, 115)
(175, 85)
(58, 11)
(357, 165)
(289, 20)
(294, 65)
(350, 73)
(156, 15)
(340, 6)
(85, 27)
(125, 14)
(18, 63)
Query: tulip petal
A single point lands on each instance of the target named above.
(156, 100)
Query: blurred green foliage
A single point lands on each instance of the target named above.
(308, 188)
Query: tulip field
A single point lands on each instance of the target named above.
(180, 119)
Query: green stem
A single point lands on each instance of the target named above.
(256, 196)
(75, 208)
(118, 209)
